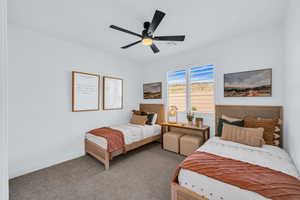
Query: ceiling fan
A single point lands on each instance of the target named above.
(147, 36)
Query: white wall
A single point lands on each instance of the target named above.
(3, 103)
(42, 129)
(292, 81)
(258, 50)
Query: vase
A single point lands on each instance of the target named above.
(190, 123)
(199, 122)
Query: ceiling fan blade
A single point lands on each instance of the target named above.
(129, 45)
(158, 16)
(170, 38)
(154, 48)
(124, 30)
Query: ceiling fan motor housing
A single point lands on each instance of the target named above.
(145, 31)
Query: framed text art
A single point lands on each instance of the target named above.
(85, 92)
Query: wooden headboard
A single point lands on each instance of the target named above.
(157, 108)
(240, 111)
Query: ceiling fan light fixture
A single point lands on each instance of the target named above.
(147, 41)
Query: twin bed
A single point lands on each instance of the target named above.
(134, 135)
(195, 186)
(267, 156)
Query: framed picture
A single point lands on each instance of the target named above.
(152, 90)
(257, 83)
(85, 92)
(112, 93)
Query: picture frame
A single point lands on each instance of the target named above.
(85, 92)
(255, 83)
(112, 93)
(152, 90)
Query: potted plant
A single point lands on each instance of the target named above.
(190, 116)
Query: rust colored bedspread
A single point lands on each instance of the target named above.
(264, 181)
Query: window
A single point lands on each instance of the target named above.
(192, 89)
(202, 89)
(177, 89)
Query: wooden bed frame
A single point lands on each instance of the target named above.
(181, 193)
(102, 155)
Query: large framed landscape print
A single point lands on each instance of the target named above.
(85, 92)
(112, 93)
(257, 83)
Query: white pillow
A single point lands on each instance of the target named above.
(154, 119)
(231, 119)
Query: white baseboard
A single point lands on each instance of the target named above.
(44, 164)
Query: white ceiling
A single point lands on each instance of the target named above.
(87, 21)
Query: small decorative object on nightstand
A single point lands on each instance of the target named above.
(173, 113)
(199, 122)
(190, 116)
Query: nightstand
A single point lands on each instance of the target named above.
(203, 131)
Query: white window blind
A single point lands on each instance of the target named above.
(177, 89)
(200, 96)
(202, 88)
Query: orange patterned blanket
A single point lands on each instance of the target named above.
(264, 181)
(115, 139)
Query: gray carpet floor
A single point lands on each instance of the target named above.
(142, 174)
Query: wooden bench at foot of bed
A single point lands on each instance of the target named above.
(102, 155)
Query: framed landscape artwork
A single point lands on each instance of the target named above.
(256, 83)
(112, 93)
(152, 90)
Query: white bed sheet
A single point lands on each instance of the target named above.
(267, 156)
(132, 133)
